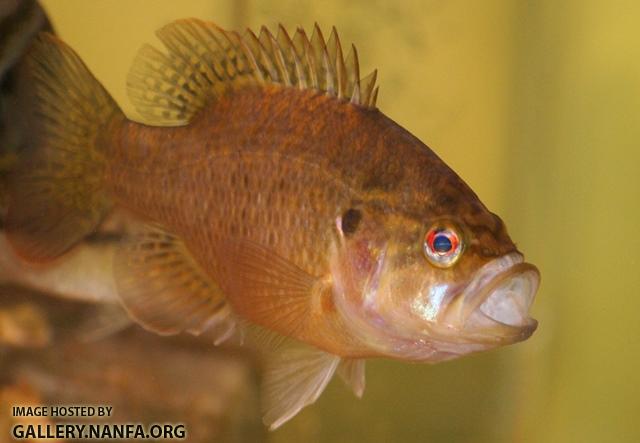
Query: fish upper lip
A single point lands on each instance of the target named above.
(496, 328)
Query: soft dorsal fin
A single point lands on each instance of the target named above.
(204, 61)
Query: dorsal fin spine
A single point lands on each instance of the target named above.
(290, 51)
(271, 63)
(301, 72)
(374, 97)
(308, 53)
(321, 58)
(282, 45)
(281, 62)
(337, 58)
(298, 43)
(353, 72)
(355, 95)
(332, 52)
(367, 90)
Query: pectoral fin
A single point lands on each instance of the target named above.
(270, 290)
(165, 290)
(294, 375)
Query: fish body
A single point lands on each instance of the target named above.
(275, 203)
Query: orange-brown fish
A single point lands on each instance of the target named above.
(277, 199)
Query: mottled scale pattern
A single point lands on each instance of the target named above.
(287, 205)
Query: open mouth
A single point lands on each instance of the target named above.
(494, 307)
(510, 301)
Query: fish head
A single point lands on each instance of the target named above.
(432, 284)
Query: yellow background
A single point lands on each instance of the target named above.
(536, 105)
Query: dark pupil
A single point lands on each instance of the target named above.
(442, 243)
(350, 221)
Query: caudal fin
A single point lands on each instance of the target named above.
(57, 194)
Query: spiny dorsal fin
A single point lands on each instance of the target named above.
(204, 62)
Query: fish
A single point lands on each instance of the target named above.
(275, 204)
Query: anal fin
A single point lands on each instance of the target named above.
(165, 290)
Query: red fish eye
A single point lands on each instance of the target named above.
(442, 246)
(442, 242)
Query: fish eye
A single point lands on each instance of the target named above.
(442, 246)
